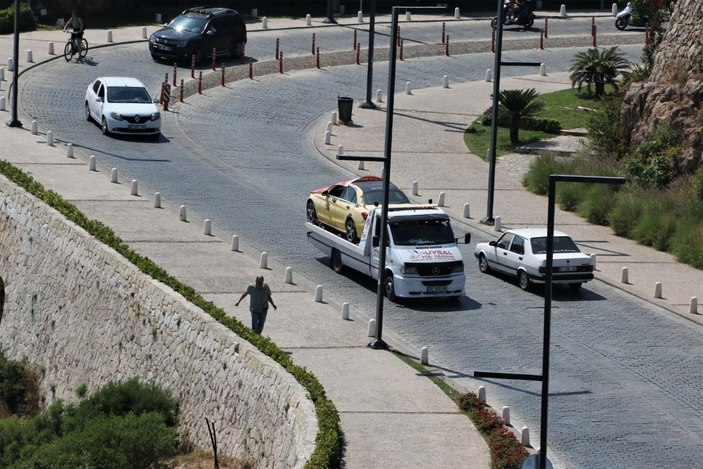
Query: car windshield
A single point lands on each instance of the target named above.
(127, 94)
(395, 196)
(188, 23)
(422, 233)
(562, 244)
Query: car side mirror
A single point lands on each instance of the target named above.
(467, 238)
(99, 100)
(209, 32)
(492, 243)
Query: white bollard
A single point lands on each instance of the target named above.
(328, 128)
(182, 213)
(2, 73)
(415, 188)
(35, 126)
(2, 103)
(51, 48)
(345, 311)
(308, 20)
(424, 356)
(207, 227)
(157, 199)
(135, 187)
(328, 137)
(467, 210)
(440, 199)
(457, 13)
(360, 166)
(625, 275)
(542, 70)
(318, 294)
(30, 56)
(359, 17)
(693, 307)
(482, 394)
(109, 35)
(50, 138)
(408, 17)
(525, 436)
(496, 224)
(657, 290)
(445, 81)
(235, 243)
(408, 88)
(10, 65)
(263, 262)
(333, 118)
(69, 150)
(340, 150)
(593, 261)
(379, 96)
(113, 176)
(614, 9)
(562, 10)
(372, 328)
(506, 415)
(289, 275)
(264, 23)
(489, 75)
(92, 163)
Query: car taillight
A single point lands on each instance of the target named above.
(364, 215)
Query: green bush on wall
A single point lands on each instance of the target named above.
(7, 19)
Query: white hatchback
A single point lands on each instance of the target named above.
(523, 254)
(122, 105)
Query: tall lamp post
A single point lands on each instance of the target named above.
(14, 121)
(369, 73)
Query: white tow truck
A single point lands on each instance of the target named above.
(422, 259)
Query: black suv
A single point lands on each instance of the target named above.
(196, 32)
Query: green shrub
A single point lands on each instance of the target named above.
(569, 195)
(656, 161)
(655, 228)
(697, 184)
(551, 126)
(687, 242)
(19, 391)
(7, 19)
(626, 213)
(469, 402)
(598, 201)
(536, 179)
(606, 135)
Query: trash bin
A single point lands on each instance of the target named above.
(345, 105)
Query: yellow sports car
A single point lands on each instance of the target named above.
(343, 206)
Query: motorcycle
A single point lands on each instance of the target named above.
(623, 19)
(510, 17)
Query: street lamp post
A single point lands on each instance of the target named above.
(369, 73)
(14, 121)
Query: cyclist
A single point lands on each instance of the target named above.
(76, 24)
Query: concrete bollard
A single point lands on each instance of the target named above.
(69, 150)
(408, 16)
(308, 20)
(328, 128)
(693, 307)
(408, 88)
(144, 35)
(525, 436)
(562, 10)
(10, 65)
(542, 70)
(424, 356)
(614, 9)
(2, 73)
(157, 199)
(109, 35)
(445, 81)
(496, 224)
(625, 275)
(593, 261)
(92, 163)
(2, 103)
(467, 210)
(372, 328)
(235, 243)
(489, 75)
(182, 213)
(415, 188)
(318, 294)
(379, 96)
(482, 394)
(207, 227)
(457, 13)
(340, 150)
(345, 311)
(50, 138)
(657, 290)
(440, 199)
(35, 126)
(328, 137)
(264, 23)
(360, 17)
(51, 48)
(263, 262)
(506, 415)
(360, 166)
(333, 118)
(289, 275)
(135, 188)
(30, 56)
(113, 176)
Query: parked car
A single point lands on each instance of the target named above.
(523, 254)
(196, 32)
(344, 206)
(122, 105)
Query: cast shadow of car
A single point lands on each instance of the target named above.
(560, 292)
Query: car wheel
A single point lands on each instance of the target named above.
(524, 280)
(311, 212)
(389, 288)
(575, 286)
(236, 50)
(483, 264)
(87, 113)
(350, 231)
(103, 127)
(336, 261)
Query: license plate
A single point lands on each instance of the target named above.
(568, 268)
(437, 289)
(167, 48)
(137, 126)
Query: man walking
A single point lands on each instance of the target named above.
(259, 299)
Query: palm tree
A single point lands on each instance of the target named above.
(597, 67)
(518, 104)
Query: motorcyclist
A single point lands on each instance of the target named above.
(523, 8)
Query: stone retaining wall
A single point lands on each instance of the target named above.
(84, 315)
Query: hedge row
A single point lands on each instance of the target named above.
(7, 19)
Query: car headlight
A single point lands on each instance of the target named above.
(156, 116)
(458, 267)
(116, 116)
(408, 269)
(182, 43)
(152, 39)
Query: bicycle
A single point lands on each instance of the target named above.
(75, 46)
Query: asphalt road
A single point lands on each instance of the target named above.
(625, 375)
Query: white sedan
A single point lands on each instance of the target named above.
(523, 254)
(122, 105)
